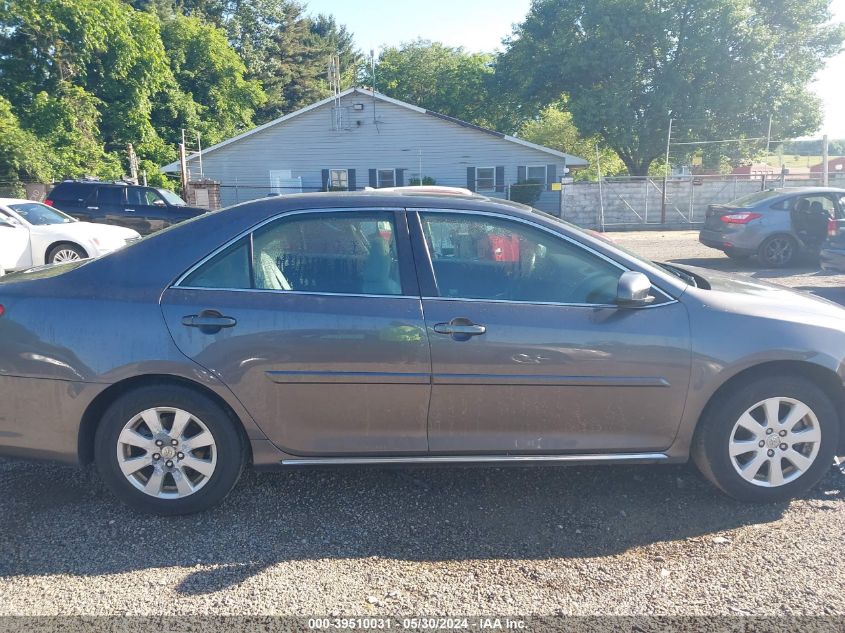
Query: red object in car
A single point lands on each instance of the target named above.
(743, 217)
(2, 309)
(505, 248)
(48, 202)
(832, 228)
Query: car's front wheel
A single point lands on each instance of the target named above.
(63, 253)
(168, 450)
(768, 439)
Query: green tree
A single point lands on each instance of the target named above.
(211, 94)
(22, 155)
(98, 59)
(720, 68)
(440, 78)
(554, 128)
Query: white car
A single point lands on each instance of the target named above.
(33, 234)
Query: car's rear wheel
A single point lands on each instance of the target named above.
(768, 439)
(63, 253)
(778, 251)
(169, 450)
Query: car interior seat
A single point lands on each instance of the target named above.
(380, 270)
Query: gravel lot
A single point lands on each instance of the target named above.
(357, 541)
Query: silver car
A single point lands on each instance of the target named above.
(408, 328)
(776, 225)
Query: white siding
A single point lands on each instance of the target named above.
(307, 144)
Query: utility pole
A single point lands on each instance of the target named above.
(183, 169)
(825, 161)
(601, 194)
(768, 139)
(199, 145)
(666, 173)
(133, 163)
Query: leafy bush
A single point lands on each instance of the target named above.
(526, 192)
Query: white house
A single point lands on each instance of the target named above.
(362, 139)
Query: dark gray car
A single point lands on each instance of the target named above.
(400, 328)
(776, 225)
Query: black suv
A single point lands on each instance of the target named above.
(145, 209)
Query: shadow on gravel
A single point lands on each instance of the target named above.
(58, 520)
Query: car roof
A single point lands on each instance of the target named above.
(387, 198)
(96, 183)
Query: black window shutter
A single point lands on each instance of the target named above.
(520, 174)
(500, 178)
(351, 179)
(471, 178)
(373, 178)
(551, 175)
(400, 177)
(325, 180)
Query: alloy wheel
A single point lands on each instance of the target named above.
(66, 255)
(778, 251)
(775, 442)
(166, 452)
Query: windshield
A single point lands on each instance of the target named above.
(754, 198)
(172, 198)
(39, 214)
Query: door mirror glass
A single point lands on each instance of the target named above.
(634, 290)
(159, 203)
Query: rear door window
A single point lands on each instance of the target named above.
(347, 253)
(111, 195)
(71, 192)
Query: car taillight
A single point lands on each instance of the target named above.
(740, 218)
(2, 309)
(832, 228)
(48, 202)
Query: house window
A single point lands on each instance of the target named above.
(386, 178)
(536, 174)
(339, 180)
(485, 179)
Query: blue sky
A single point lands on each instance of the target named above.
(480, 25)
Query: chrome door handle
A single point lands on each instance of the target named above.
(209, 321)
(460, 329)
(132, 210)
(93, 208)
(469, 330)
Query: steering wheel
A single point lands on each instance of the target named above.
(589, 287)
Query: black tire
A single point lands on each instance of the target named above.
(778, 251)
(230, 449)
(710, 448)
(64, 247)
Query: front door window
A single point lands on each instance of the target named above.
(482, 257)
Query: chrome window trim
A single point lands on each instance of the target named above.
(299, 292)
(592, 306)
(252, 229)
(669, 299)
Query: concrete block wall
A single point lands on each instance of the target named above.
(639, 201)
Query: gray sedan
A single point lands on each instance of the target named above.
(776, 225)
(409, 328)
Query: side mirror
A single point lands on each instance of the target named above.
(634, 290)
(159, 203)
